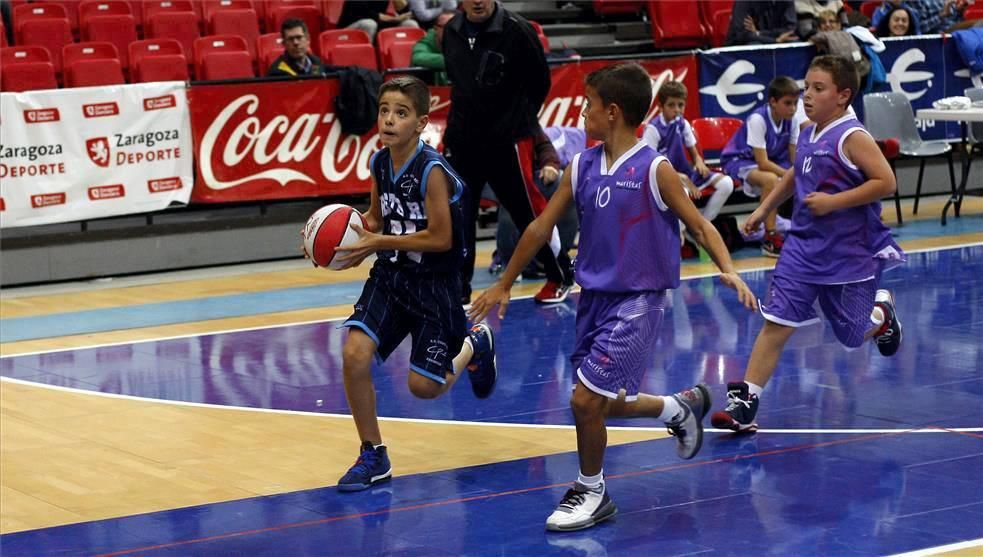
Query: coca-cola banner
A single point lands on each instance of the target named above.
(565, 103)
(280, 140)
(78, 154)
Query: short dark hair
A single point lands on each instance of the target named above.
(782, 86)
(671, 89)
(291, 23)
(412, 87)
(843, 72)
(626, 85)
(883, 28)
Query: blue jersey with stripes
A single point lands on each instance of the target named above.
(402, 196)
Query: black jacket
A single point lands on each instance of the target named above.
(499, 85)
(284, 66)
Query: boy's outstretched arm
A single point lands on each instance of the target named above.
(703, 232)
(536, 234)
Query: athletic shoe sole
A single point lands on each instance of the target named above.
(361, 487)
(723, 420)
(604, 513)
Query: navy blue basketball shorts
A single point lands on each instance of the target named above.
(396, 302)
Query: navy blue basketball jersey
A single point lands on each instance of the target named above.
(402, 194)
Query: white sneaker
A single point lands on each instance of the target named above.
(581, 507)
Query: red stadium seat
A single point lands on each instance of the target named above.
(109, 21)
(399, 55)
(542, 36)
(713, 134)
(352, 54)
(29, 12)
(226, 65)
(3, 34)
(332, 12)
(52, 34)
(157, 60)
(386, 37)
(218, 43)
(236, 22)
(91, 64)
(616, 7)
(974, 11)
(867, 8)
(211, 7)
(71, 12)
(677, 24)
(715, 15)
(268, 48)
(26, 68)
(181, 26)
(151, 8)
(327, 40)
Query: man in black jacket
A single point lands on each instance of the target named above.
(499, 81)
(296, 59)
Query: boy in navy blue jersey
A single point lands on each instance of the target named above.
(837, 247)
(761, 151)
(630, 201)
(415, 230)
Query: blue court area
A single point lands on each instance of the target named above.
(858, 454)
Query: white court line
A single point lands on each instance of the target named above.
(941, 549)
(465, 423)
(315, 321)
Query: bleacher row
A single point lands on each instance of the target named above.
(83, 43)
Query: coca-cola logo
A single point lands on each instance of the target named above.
(163, 184)
(159, 103)
(99, 110)
(47, 199)
(241, 148)
(98, 150)
(97, 193)
(41, 115)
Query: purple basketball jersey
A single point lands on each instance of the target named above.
(672, 145)
(844, 246)
(567, 141)
(629, 239)
(738, 153)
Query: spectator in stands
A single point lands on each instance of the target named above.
(428, 53)
(807, 12)
(762, 22)
(427, 12)
(827, 20)
(889, 6)
(898, 23)
(671, 135)
(296, 59)
(370, 16)
(499, 80)
(935, 16)
(761, 151)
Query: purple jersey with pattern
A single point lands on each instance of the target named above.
(672, 144)
(776, 142)
(842, 246)
(567, 141)
(629, 239)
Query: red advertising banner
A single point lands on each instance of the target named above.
(281, 140)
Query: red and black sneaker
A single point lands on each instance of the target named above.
(553, 293)
(772, 244)
(888, 337)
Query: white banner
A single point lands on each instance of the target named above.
(76, 154)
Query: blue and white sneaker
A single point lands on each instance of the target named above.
(482, 370)
(371, 468)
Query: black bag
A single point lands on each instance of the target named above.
(357, 103)
(729, 232)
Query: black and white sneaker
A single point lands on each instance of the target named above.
(741, 408)
(688, 425)
(581, 507)
(888, 338)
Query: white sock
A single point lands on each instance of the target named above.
(670, 409)
(754, 389)
(592, 482)
(724, 187)
(877, 316)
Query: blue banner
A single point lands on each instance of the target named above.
(734, 81)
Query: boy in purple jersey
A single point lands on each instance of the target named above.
(837, 247)
(761, 151)
(629, 200)
(671, 135)
(414, 226)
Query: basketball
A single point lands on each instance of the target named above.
(328, 231)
